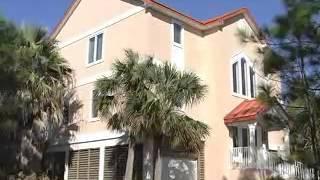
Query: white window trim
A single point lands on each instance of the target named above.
(254, 81)
(237, 58)
(101, 162)
(92, 119)
(95, 49)
(174, 44)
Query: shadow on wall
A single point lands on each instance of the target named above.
(254, 174)
(22, 152)
(179, 169)
(116, 161)
(60, 133)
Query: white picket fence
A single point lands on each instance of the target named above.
(245, 157)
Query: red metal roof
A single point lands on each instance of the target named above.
(223, 17)
(248, 110)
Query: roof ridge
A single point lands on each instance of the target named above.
(219, 20)
(72, 7)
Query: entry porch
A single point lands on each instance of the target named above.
(259, 144)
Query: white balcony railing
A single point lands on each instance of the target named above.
(245, 157)
(240, 157)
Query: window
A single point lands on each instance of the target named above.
(95, 48)
(241, 137)
(243, 78)
(235, 136)
(245, 137)
(177, 57)
(235, 75)
(252, 83)
(94, 108)
(177, 29)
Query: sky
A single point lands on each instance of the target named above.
(47, 13)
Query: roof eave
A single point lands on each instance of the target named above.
(216, 22)
(203, 25)
(64, 19)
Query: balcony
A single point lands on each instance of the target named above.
(260, 145)
(271, 162)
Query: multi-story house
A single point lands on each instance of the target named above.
(93, 33)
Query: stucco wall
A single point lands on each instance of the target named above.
(208, 54)
(90, 14)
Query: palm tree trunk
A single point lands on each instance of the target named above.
(158, 165)
(148, 158)
(157, 159)
(130, 161)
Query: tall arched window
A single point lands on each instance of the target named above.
(243, 78)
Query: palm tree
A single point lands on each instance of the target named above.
(47, 79)
(146, 100)
(39, 79)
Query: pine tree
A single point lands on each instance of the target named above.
(291, 57)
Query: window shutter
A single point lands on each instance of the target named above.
(201, 170)
(73, 165)
(83, 169)
(84, 164)
(94, 164)
(116, 161)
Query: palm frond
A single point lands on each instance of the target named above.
(140, 97)
(181, 130)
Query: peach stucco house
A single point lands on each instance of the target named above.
(93, 33)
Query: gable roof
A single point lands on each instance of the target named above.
(203, 24)
(161, 7)
(73, 6)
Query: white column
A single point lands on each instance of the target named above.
(240, 137)
(101, 163)
(66, 164)
(252, 142)
(286, 143)
(252, 135)
(259, 137)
